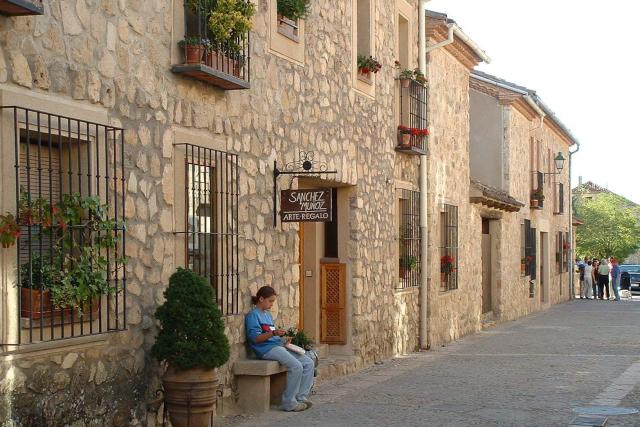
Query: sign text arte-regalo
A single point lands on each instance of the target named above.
(305, 205)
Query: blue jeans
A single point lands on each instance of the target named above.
(616, 287)
(299, 375)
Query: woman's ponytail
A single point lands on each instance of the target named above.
(264, 292)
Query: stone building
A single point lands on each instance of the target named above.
(98, 100)
(517, 147)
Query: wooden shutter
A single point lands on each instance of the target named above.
(39, 175)
(333, 328)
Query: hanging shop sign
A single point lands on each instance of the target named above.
(305, 205)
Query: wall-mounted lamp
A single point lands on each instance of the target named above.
(559, 161)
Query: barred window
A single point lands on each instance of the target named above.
(211, 221)
(528, 260)
(409, 239)
(69, 230)
(449, 248)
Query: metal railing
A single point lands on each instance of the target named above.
(211, 221)
(70, 204)
(231, 57)
(449, 248)
(409, 240)
(413, 114)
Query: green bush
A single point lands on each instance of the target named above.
(294, 9)
(299, 338)
(191, 326)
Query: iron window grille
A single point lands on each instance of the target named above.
(559, 255)
(566, 245)
(58, 158)
(413, 115)
(560, 199)
(449, 248)
(409, 261)
(224, 64)
(529, 249)
(211, 221)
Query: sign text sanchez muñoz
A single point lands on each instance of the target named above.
(305, 205)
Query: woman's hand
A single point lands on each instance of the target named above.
(279, 332)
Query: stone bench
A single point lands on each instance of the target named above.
(260, 384)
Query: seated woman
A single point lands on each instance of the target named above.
(266, 341)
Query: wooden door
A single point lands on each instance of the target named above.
(486, 273)
(333, 327)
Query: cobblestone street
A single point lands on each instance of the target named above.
(533, 372)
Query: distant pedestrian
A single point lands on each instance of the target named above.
(588, 280)
(594, 277)
(581, 265)
(615, 278)
(603, 278)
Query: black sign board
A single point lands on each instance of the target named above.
(305, 205)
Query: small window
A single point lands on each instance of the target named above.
(409, 265)
(449, 248)
(528, 260)
(363, 28)
(365, 65)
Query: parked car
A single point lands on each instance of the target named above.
(634, 275)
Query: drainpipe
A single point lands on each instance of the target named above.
(424, 234)
(572, 254)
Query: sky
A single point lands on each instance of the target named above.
(582, 59)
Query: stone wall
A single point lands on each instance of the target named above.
(454, 313)
(116, 55)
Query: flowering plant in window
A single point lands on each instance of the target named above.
(367, 64)
(408, 134)
(407, 74)
(446, 264)
(565, 247)
(9, 230)
(538, 194)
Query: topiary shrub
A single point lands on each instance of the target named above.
(191, 326)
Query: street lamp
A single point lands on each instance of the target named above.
(559, 160)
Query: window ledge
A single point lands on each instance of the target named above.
(209, 75)
(411, 150)
(65, 345)
(21, 7)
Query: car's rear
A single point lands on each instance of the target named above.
(634, 275)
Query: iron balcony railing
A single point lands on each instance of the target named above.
(409, 240)
(225, 64)
(412, 129)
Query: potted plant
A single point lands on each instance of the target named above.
(367, 64)
(192, 343)
(523, 265)
(229, 23)
(300, 338)
(9, 230)
(537, 197)
(194, 48)
(406, 75)
(408, 136)
(289, 13)
(407, 264)
(36, 280)
(446, 267)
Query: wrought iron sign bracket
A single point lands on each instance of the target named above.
(304, 166)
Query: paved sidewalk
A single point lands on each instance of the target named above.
(532, 372)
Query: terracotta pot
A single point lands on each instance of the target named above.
(403, 272)
(36, 304)
(193, 53)
(534, 203)
(221, 62)
(523, 268)
(404, 139)
(190, 396)
(365, 76)
(405, 82)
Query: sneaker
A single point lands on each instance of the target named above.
(298, 408)
(308, 403)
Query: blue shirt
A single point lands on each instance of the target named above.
(257, 322)
(615, 271)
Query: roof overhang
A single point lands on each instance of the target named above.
(492, 197)
(463, 48)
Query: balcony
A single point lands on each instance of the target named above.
(224, 63)
(537, 192)
(412, 131)
(21, 7)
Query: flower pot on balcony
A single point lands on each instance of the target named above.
(405, 83)
(193, 53)
(403, 272)
(221, 62)
(364, 74)
(534, 203)
(404, 140)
